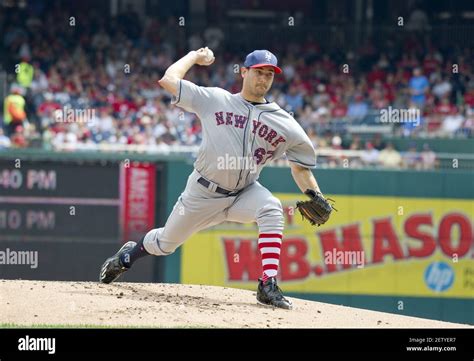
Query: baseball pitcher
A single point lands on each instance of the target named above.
(242, 133)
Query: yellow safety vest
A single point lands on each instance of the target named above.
(25, 74)
(16, 99)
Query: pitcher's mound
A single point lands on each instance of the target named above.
(79, 304)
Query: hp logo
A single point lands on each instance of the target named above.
(439, 276)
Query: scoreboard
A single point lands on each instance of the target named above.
(51, 200)
(75, 213)
(67, 201)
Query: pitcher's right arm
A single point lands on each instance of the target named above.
(177, 71)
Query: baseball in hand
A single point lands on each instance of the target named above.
(205, 56)
(210, 55)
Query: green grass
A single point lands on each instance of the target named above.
(14, 325)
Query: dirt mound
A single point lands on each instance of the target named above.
(175, 305)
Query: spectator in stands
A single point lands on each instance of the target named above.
(428, 157)
(467, 128)
(4, 140)
(40, 81)
(322, 115)
(339, 107)
(442, 88)
(451, 124)
(377, 142)
(46, 109)
(370, 156)
(445, 107)
(325, 141)
(390, 157)
(336, 144)
(376, 75)
(86, 70)
(25, 72)
(321, 96)
(313, 137)
(18, 139)
(355, 143)
(411, 158)
(390, 88)
(377, 96)
(452, 121)
(358, 108)
(431, 62)
(294, 99)
(469, 98)
(308, 118)
(14, 109)
(418, 86)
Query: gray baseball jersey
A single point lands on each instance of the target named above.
(236, 131)
(239, 139)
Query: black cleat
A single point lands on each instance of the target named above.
(269, 294)
(113, 267)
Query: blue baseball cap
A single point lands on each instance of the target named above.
(260, 58)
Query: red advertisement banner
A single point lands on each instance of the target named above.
(137, 195)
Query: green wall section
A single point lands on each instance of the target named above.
(438, 145)
(176, 175)
(438, 184)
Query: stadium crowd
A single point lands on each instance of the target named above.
(95, 82)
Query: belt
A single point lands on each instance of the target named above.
(218, 189)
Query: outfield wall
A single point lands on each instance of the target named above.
(414, 230)
(401, 241)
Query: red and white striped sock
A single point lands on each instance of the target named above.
(270, 245)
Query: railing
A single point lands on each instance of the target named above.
(332, 158)
(345, 36)
(129, 148)
(326, 158)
